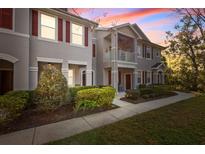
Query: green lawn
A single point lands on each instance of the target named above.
(180, 123)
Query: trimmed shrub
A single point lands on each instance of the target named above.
(142, 86)
(12, 104)
(94, 97)
(146, 91)
(73, 91)
(24, 94)
(52, 89)
(132, 94)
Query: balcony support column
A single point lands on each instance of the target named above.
(114, 64)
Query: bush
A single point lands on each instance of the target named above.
(142, 86)
(24, 94)
(73, 91)
(146, 91)
(52, 89)
(132, 94)
(94, 97)
(12, 105)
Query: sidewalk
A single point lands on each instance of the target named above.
(62, 129)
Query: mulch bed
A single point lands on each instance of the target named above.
(142, 100)
(33, 117)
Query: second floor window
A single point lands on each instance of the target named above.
(76, 34)
(148, 52)
(6, 18)
(48, 27)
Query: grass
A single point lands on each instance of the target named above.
(179, 123)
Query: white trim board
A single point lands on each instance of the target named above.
(8, 57)
(51, 60)
(77, 62)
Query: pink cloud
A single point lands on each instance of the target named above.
(156, 36)
(130, 16)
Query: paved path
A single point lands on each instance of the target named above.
(59, 130)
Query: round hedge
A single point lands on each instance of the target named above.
(52, 89)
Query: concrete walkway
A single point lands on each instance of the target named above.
(59, 130)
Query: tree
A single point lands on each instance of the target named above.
(188, 43)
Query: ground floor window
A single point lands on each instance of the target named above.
(84, 78)
(6, 76)
(148, 77)
(139, 77)
(41, 66)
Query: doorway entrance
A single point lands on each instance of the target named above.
(128, 81)
(6, 76)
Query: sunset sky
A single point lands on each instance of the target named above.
(153, 21)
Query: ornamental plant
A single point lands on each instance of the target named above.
(52, 89)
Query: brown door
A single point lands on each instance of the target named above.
(128, 81)
(6, 81)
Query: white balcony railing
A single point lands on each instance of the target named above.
(121, 55)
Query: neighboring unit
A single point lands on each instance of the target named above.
(121, 56)
(127, 58)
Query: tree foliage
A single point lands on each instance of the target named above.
(188, 44)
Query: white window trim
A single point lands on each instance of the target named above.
(49, 60)
(83, 35)
(140, 75)
(39, 27)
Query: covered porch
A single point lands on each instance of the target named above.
(122, 79)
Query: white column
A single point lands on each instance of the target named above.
(64, 70)
(33, 77)
(135, 83)
(88, 77)
(114, 65)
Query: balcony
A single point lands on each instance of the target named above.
(121, 56)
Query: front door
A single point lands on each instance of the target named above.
(128, 81)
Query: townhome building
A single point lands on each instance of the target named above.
(121, 56)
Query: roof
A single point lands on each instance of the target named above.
(73, 15)
(142, 34)
(157, 65)
(143, 38)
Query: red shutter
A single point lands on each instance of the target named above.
(1, 17)
(68, 31)
(86, 36)
(6, 18)
(93, 50)
(60, 29)
(34, 23)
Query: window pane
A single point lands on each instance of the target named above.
(47, 32)
(77, 29)
(48, 21)
(77, 39)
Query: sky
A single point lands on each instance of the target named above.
(154, 22)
